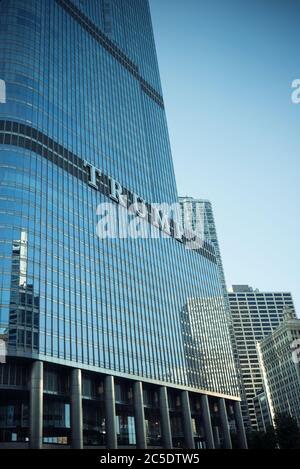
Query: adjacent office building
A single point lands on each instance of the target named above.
(280, 362)
(255, 315)
(102, 333)
(262, 411)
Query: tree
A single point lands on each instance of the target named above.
(262, 440)
(287, 431)
(270, 438)
(255, 440)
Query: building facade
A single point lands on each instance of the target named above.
(280, 363)
(255, 315)
(262, 411)
(97, 328)
(197, 216)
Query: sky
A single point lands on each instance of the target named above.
(227, 67)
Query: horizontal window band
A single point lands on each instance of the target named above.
(105, 42)
(29, 138)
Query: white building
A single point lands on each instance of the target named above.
(280, 362)
(255, 315)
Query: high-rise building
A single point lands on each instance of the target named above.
(197, 214)
(255, 315)
(197, 217)
(280, 363)
(262, 411)
(101, 338)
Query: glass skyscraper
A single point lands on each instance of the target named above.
(104, 348)
(198, 215)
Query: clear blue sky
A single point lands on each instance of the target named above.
(227, 68)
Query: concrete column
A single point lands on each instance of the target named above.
(165, 418)
(187, 420)
(207, 422)
(36, 405)
(240, 425)
(225, 424)
(216, 433)
(76, 410)
(110, 413)
(139, 415)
